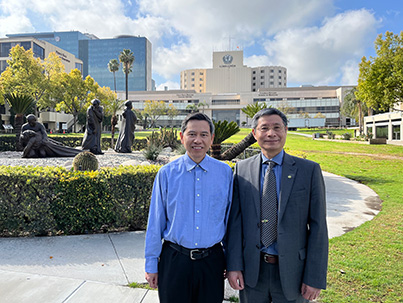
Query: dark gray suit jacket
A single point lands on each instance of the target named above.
(302, 229)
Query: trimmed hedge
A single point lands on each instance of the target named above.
(7, 143)
(54, 200)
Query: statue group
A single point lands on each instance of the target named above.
(36, 143)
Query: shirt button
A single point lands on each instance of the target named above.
(198, 179)
(198, 195)
(196, 244)
(197, 211)
(197, 227)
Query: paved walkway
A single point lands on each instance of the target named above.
(97, 268)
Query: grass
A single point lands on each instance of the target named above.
(366, 264)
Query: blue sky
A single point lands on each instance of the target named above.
(320, 42)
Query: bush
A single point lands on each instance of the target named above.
(54, 200)
(8, 142)
(152, 151)
(346, 136)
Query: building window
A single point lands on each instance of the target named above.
(254, 72)
(38, 51)
(261, 77)
(261, 83)
(262, 71)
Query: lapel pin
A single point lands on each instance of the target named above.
(289, 176)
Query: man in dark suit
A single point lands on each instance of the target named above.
(292, 266)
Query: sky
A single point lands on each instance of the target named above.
(320, 42)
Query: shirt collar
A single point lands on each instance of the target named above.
(190, 164)
(278, 159)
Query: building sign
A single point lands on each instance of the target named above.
(62, 56)
(268, 93)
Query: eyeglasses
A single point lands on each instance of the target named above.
(276, 128)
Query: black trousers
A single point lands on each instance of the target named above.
(182, 280)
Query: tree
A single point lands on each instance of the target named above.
(172, 112)
(380, 82)
(142, 118)
(20, 105)
(222, 131)
(352, 107)
(24, 74)
(126, 57)
(285, 108)
(231, 153)
(192, 107)
(76, 93)
(111, 107)
(113, 67)
(154, 110)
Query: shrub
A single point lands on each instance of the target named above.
(53, 200)
(152, 151)
(346, 136)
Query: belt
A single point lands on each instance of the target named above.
(194, 254)
(272, 259)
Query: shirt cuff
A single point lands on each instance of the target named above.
(152, 265)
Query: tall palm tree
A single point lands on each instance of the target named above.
(113, 67)
(238, 148)
(126, 57)
(20, 105)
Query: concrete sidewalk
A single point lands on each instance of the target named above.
(98, 268)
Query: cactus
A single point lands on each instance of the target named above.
(85, 161)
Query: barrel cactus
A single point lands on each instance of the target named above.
(85, 161)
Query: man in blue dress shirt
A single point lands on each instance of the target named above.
(189, 211)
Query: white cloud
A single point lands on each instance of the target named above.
(316, 55)
(296, 34)
(170, 85)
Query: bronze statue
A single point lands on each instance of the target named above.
(36, 143)
(93, 128)
(126, 134)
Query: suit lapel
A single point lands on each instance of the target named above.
(255, 172)
(287, 181)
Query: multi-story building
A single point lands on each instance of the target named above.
(230, 75)
(268, 77)
(311, 101)
(41, 49)
(96, 53)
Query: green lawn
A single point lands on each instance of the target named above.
(366, 264)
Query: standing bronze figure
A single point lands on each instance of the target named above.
(126, 134)
(93, 128)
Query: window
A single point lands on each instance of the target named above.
(262, 71)
(261, 77)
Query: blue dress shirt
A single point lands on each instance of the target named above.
(278, 159)
(189, 206)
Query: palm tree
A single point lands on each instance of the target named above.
(223, 130)
(353, 107)
(238, 148)
(113, 67)
(126, 57)
(20, 105)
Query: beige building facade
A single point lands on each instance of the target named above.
(323, 101)
(230, 75)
